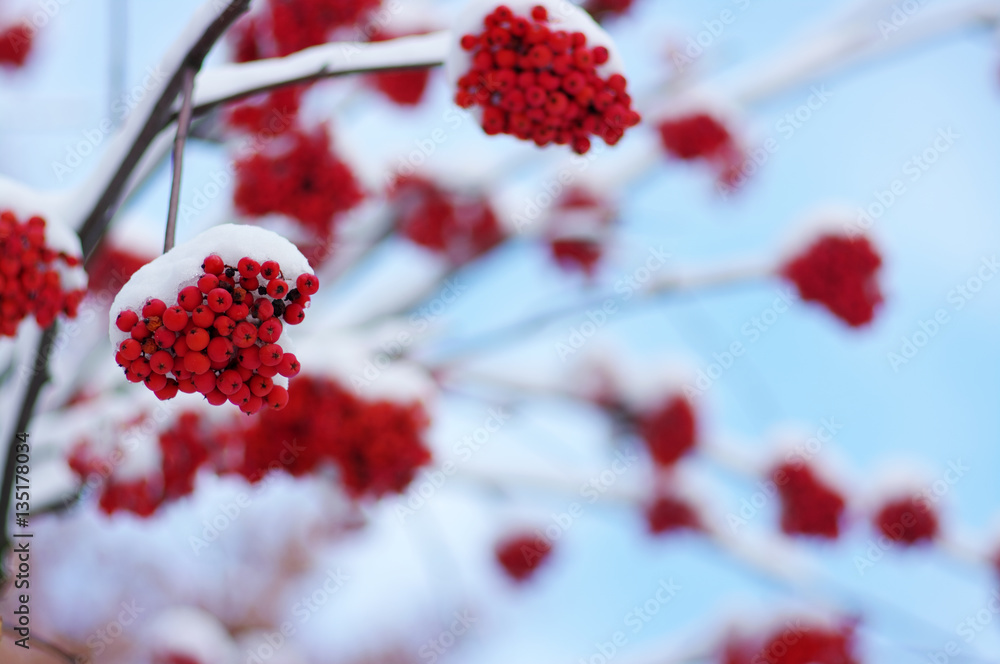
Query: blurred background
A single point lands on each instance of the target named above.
(869, 125)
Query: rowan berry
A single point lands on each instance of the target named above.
(175, 318)
(202, 316)
(216, 398)
(270, 270)
(207, 283)
(229, 382)
(189, 298)
(197, 362)
(244, 334)
(270, 330)
(260, 386)
(130, 349)
(155, 382)
(197, 338)
(270, 355)
(126, 320)
(248, 268)
(213, 265)
(289, 366)
(277, 398)
(162, 362)
(153, 307)
(249, 357)
(224, 325)
(220, 349)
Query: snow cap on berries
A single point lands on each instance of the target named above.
(540, 70)
(209, 317)
(835, 267)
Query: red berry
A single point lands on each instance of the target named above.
(162, 362)
(219, 300)
(289, 366)
(131, 377)
(216, 398)
(601, 55)
(277, 398)
(539, 13)
(263, 309)
(140, 331)
(261, 386)
(244, 372)
(130, 349)
(207, 283)
(221, 350)
(197, 363)
(294, 314)
(250, 283)
(267, 371)
(169, 391)
(249, 357)
(204, 382)
(153, 307)
(248, 267)
(307, 284)
(252, 405)
(213, 265)
(175, 318)
(126, 320)
(189, 298)
(202, 316)
(270, 330)
(240, 396)
(270, 355)
(229, 382)
(469, 42)
(270, 270)
(140, 367)
(180, 346)
(224, 325)
(238, 312)
(245, 334)
(186, 386)
(197, 338)
(277, 288)
(156, 382)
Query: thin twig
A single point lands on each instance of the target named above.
(39, 376)
(183, 124)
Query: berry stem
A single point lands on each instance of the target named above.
(39, 376)
(183, 124)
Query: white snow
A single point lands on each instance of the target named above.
(180, 267)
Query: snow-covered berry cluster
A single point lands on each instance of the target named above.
(37, 277)
(798, 642)
(458, 225)
(703, 136)
(539, 82)
(377, 446)
(298, 176)
(809, 506)
(403, 87)
(521, 554)
(214, 324)
(840, 273)
(16, 42)
(577, 230)
(221, 336)
(670, 431)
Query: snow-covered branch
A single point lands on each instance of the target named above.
(235, 81)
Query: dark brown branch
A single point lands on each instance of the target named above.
(183, 124)
(39, 376)
(160, 116)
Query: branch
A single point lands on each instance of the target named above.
(183, 124)
(229, 82)
(39, 377)
(98, 198)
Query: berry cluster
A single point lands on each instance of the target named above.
(15, 44)
(305, 181)
(187, 446)
(907, 521)
(796, 644)
(376, 446)
(460, 226)
(220, 338)
(670, 431)
(840, 273)
(522, 554)
(671, 513)
(299, 24)
(403, 87)
(30, 275)
(542, 84)
(576, 230)
(701, 136)
(808, 505)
